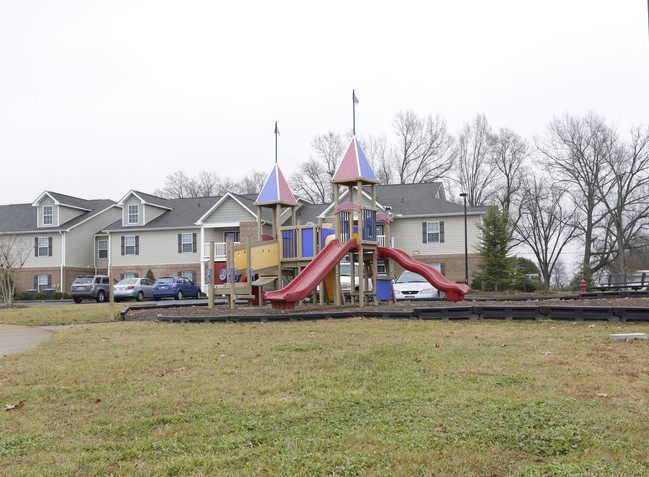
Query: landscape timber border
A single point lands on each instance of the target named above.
(576, 311)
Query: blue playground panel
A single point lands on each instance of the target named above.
(383, 288)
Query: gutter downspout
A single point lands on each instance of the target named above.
(201, 254)
(62, 233)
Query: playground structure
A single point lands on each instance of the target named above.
(309, 256)
(301, 260)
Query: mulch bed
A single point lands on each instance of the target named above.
(177, 310)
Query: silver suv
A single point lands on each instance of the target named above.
(95, 287)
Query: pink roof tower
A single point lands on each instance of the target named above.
(354, 166)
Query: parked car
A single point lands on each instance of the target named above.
(346, 278)
(133, 288)
(95, 287)
(177, 287)
(412, 286)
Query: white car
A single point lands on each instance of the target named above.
(133, 288)
(412, 286)
(346, 278)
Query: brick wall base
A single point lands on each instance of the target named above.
(453, 265)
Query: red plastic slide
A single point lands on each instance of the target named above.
(454, 291)
(313, 273)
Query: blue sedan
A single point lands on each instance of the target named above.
(176, 287)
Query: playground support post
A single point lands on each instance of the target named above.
(210, 286)
(466, 243)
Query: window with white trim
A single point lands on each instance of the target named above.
(129, 245)
(44, 281)
(188, 275)
(102, 249)
(133, 214)
(433, 232)
(188, 243)
(234, 236)
(43, 246)
(48, 215)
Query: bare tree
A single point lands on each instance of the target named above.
(576, 154)
(424, 150)
(13, 256)
(560, 276)
(176, 186)
(252, 183)
(329, 148)
(179, 185)
(545, 225)
(312, 181)
(377, 153)
(508, 157)
(475, 170)
(625, 194)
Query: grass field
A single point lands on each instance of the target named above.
(343, 397)
(59, 314)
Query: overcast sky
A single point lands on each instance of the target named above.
(100, 97)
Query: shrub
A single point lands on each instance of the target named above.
(22, 296)
(39, 296)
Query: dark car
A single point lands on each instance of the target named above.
(177, 287)
(96, 287)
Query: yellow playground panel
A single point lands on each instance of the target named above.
(263, 255)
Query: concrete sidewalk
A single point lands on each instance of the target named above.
(15, 338)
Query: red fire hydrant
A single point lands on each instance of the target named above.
(583, 285)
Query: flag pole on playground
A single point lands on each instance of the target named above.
(354, 101)
(276, 134)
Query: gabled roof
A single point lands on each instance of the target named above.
(243, 200)
(180, 213)
(404, 200)
(192, 212)
(354, 166)
(147, 199)
(65, 200)
(23, 218)
(276, 190)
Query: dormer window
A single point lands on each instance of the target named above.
(48, 215)
(133, 214)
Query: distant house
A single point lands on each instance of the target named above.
(60, 233)
(423, 223)
(69, 236)
(171, 237)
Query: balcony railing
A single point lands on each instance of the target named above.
(220, 250)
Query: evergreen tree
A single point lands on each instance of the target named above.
(150, 275)
(496, 270)
(583, 273)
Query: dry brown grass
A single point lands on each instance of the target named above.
(341, 397)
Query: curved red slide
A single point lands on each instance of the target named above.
(313, 273)
(454, 291)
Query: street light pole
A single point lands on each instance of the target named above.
(466, 243)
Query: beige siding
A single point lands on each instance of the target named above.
(28, 244)
(132, 201)
(151, 212)
(155, 248)
(230, 211)
(47, 201)
(213, 235)
(80, 245)
(101, 262)
(66, 214)
(407, 235)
